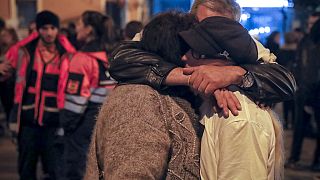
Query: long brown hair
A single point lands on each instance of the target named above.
(12, 32)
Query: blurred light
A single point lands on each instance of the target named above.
(245, 17)
(265, 3)
(267, 29)
(261, 30)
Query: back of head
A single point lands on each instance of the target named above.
(228, 8)
(132, 28)
(160, 35)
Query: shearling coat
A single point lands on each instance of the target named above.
(145, 134)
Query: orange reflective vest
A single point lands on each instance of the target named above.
(88, 85)
(39, 88)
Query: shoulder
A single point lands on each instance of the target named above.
(133, 106)
(132, 101)
(81, 56)
(133, 95)
(81, 60)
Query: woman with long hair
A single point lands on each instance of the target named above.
(87, 87)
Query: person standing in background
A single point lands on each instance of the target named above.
(8, 37)
(114, 9)
(87, 87)
(307, 75)
(286, 57)
(273, 42)
(39, 61)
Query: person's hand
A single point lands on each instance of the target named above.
(5, 68)
(207, 78)
(226, 101)
(176, 77)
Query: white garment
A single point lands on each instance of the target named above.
(239, 147)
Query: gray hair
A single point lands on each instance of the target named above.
(224, 7)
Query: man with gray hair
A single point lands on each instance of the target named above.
(228, 8)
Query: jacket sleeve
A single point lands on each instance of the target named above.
(77, 92)
(273, 83)
(130, 64)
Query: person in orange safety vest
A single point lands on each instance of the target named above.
(87, 87)
(41, 62)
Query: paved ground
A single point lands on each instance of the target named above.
(8, 159)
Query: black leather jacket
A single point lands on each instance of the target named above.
(131, 65)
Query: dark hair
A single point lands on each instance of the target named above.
(132, 28)
(160, 36)
(47, 17)
(2, 24)
(315, 32)
(96, 21)
(15, 39)
(316, 14)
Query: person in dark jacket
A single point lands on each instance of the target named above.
(315, 36)
(88, 85)
(307, 75)
(273, 42)
(287, 57)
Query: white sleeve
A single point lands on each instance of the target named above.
(264, 53)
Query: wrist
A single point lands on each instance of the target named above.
(237, 74)
(176, 77)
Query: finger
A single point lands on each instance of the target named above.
(202, 86)
(197, 82)
(188, 71)
(193, 77)
(225, 106)
(236, 101)
(210, 89)
(231, 104)
(218, 96)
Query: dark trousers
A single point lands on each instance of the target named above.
(301, 120)
(6, 95)
(316, 159)
(288, 108)
(36, 142)
(76, 149)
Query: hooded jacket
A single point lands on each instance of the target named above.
(88, 84)
(39, 86)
